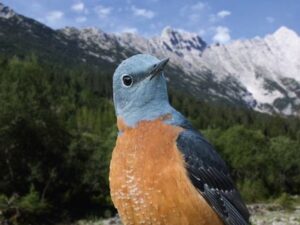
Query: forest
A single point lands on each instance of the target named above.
(57, 132)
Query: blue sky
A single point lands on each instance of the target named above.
(215, 20)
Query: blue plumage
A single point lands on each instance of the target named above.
(210, 176)
(146, 98)
(140, 93)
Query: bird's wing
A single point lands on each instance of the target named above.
(209, 174)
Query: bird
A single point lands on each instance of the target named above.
(163, 171)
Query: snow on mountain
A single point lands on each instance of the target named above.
(268, 67)
(261, 73)
(265, 71)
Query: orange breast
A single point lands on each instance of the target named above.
(148, 180)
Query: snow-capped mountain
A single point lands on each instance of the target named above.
(268, 67)
(261, 73)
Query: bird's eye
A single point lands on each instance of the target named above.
(127, 80)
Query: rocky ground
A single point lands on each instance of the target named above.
(262, 214)
(270, 214)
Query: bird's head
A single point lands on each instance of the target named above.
(140, 90)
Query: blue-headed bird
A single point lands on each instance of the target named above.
(163, 171)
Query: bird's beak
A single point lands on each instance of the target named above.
(158, 67)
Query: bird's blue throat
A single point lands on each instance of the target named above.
(150, 112)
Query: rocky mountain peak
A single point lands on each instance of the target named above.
(182, 40)
(261, 73)
(92, 31)
(284, 33)
(286, 44)
(70, 31)
(88, 31)
(6, 12)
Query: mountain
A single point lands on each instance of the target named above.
(259, 73)
(21, 36)
(263, 73)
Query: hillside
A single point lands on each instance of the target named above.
(259, 73)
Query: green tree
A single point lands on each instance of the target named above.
(245, 152)
(284, 167)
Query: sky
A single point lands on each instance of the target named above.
(214, 20)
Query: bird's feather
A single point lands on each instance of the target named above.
(210, 176)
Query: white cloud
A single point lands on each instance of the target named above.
(81, 19)
(142, 12)
(223, 14)
(219, 16)
(78, 7)
(270, 19)
(222, 35)
(54, 16)
(102, 11)
(132, 30)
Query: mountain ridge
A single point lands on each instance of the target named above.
(262, 73)
(263, 87)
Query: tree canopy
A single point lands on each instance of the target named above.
(57, 132)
